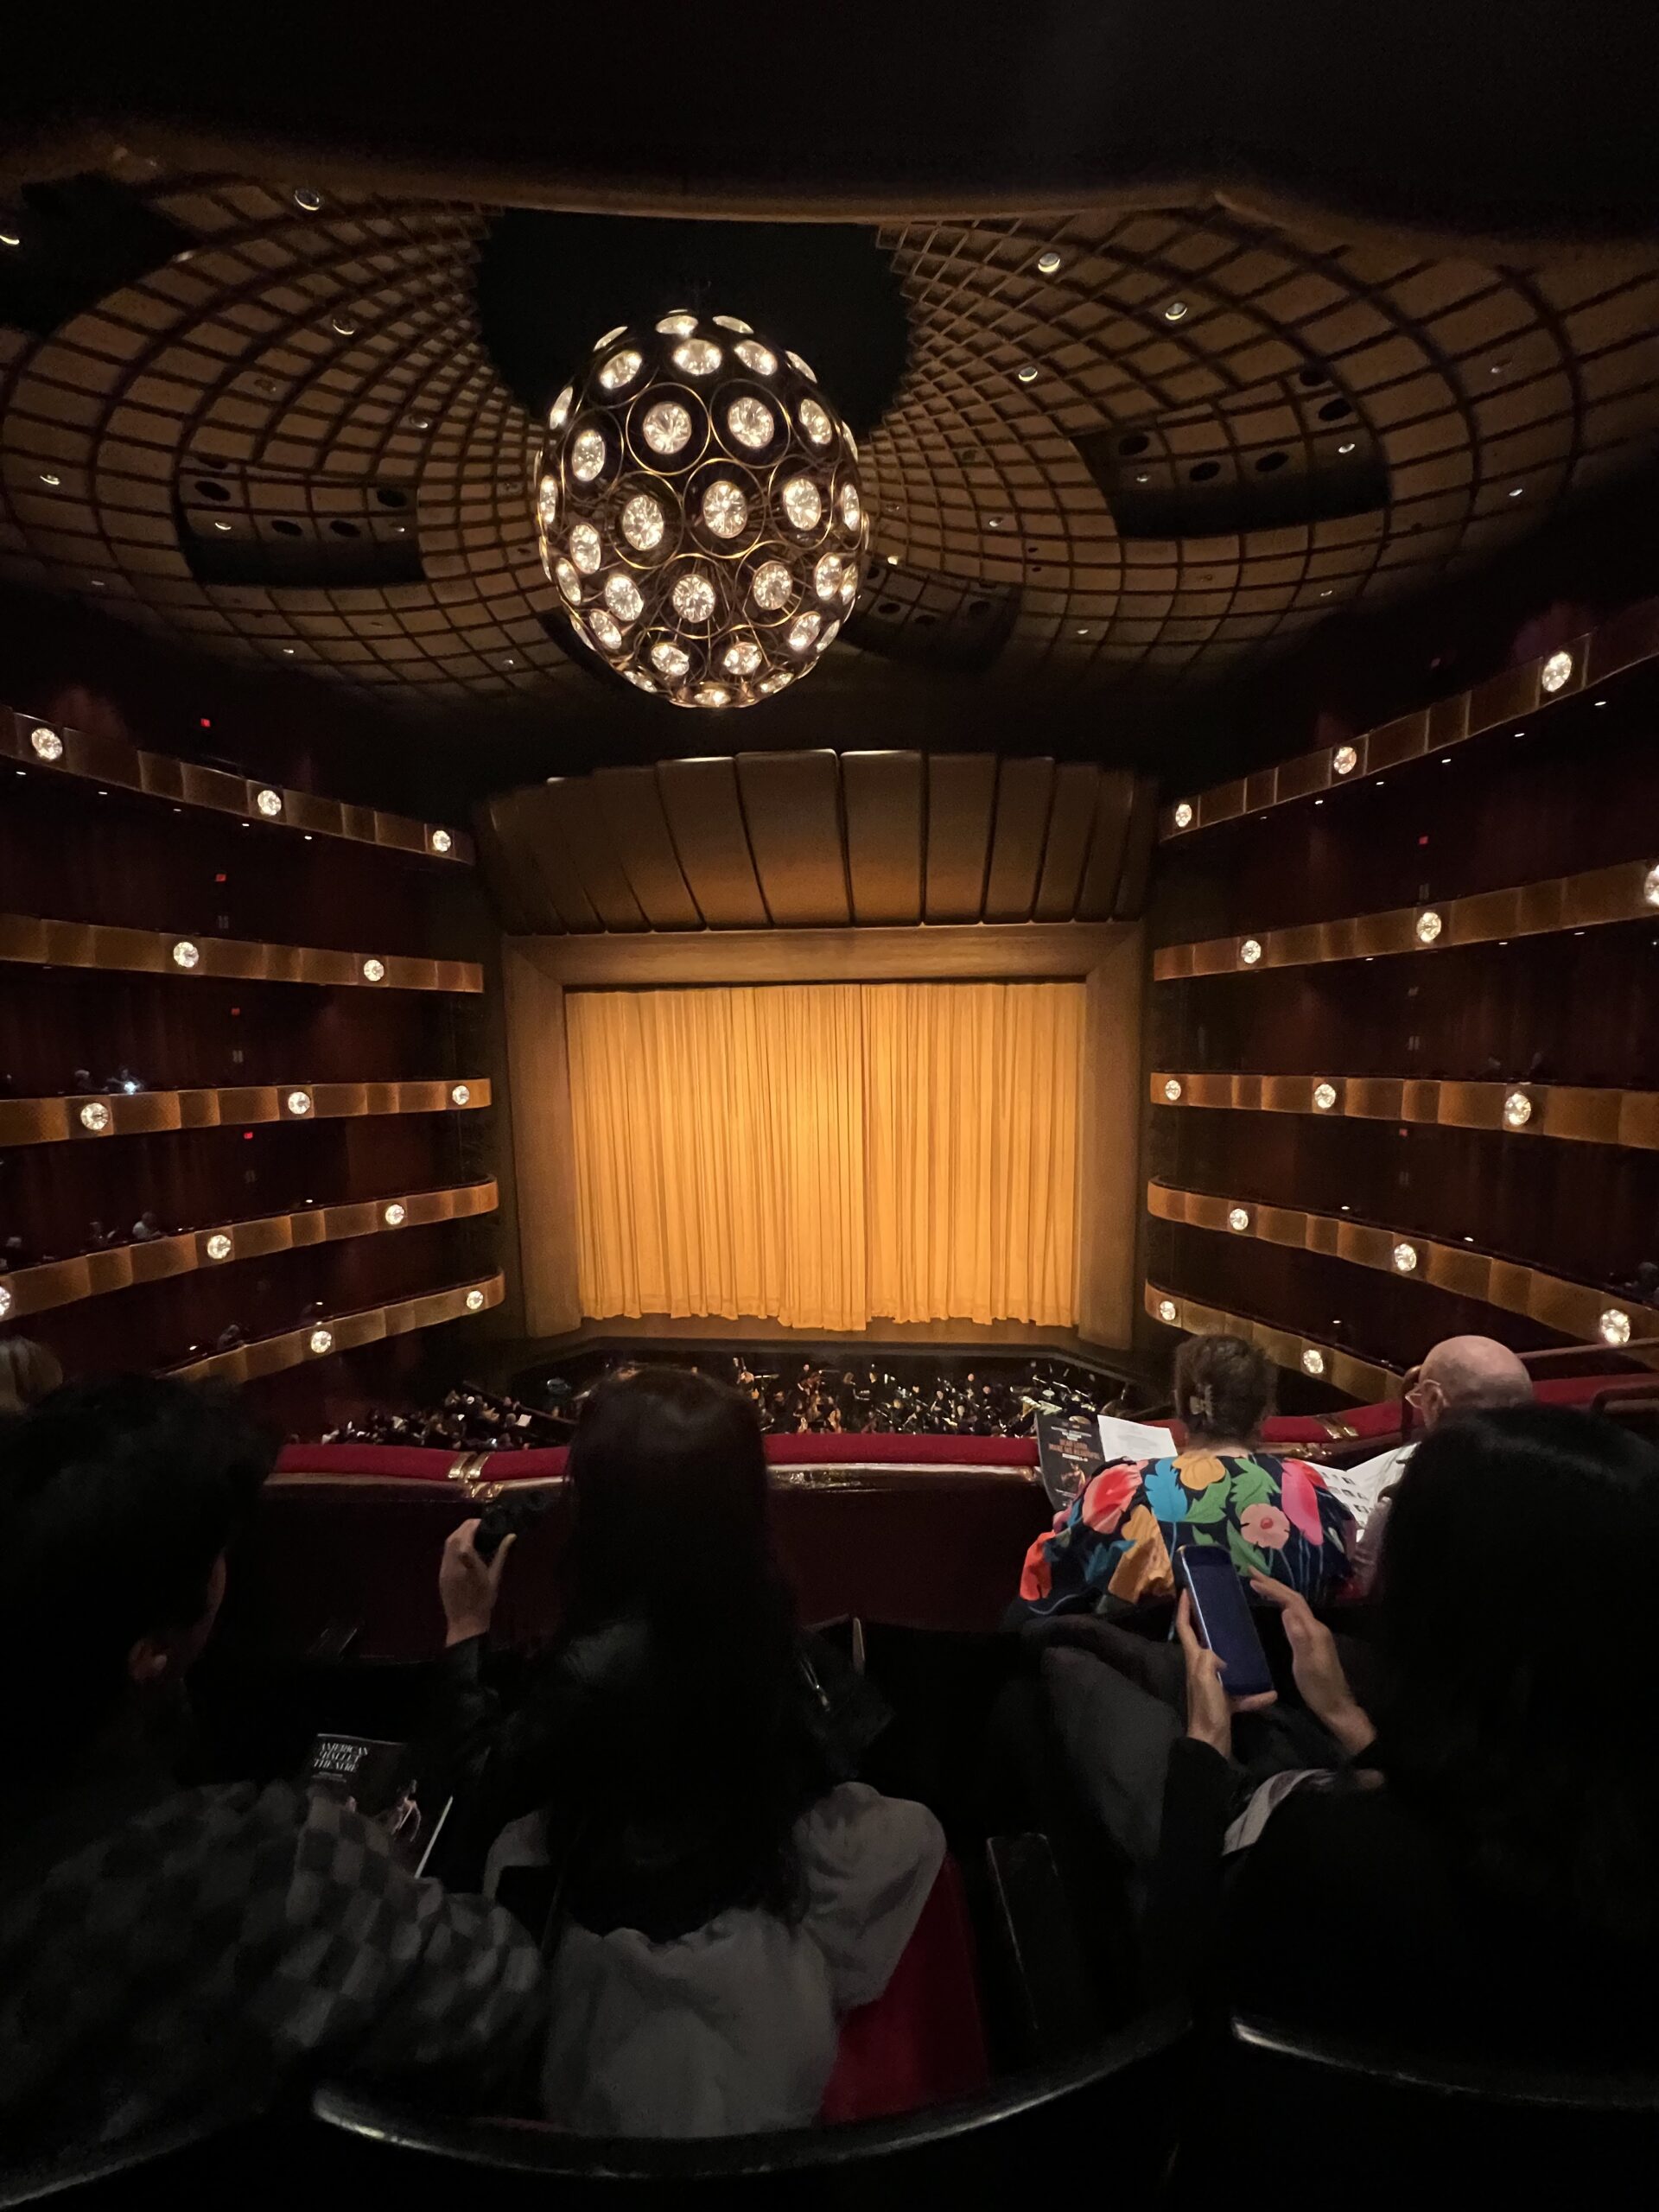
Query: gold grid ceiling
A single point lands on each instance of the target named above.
(1491, 397)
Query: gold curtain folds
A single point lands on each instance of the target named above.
(822, 1154)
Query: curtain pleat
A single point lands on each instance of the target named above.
(824, 1154)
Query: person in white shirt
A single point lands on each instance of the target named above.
(1464, 1375)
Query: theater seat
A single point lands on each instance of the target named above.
(922, 2041)
(256, 2162)
(1114, 2103)
(1372, 2121)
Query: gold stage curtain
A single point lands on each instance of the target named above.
(822, 1154)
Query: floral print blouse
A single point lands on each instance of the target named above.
(1274, 1516)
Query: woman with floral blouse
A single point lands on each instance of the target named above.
(1114, 1545)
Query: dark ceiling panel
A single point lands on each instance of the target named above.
(1137, 856)
(1265, 377)
(792, 802)
(535, 821)
(1097, 899)
(631, 809)
(586, 842)
(882, 795)
(1025, 790)
(961, 791)
(705, 820)
(1071, 827)
(509, 874)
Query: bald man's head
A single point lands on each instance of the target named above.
(1468, 1374)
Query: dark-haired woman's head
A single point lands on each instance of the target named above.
(118, 1500)
(1515, 1596)
(670, 1476)
(706, 1750)
(1223, 1390)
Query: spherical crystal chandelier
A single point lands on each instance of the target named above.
(699, 511)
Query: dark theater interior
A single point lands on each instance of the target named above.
(761, 1432)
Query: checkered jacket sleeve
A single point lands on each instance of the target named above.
(381, 1972)
(220, 1945)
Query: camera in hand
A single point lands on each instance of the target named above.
(522, 1508)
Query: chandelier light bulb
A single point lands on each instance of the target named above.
(5, 1301)
(442, 842)
(1555, 672)
(299, 1101)
(218, 1246)
(322, 1340)
(1405, 1259)
(1249, 951)
(1429, 926)
(1615, 1326)
(374, 970)
(1324, 1097)
(692, 498)
(269, 804)
(460, 1094)
(185, 954)
(95, 1117)
(474, 1301)
(395, 1215)
(1517, 1110)
(1173, 1090)
(1312, 1360)
(1239, 1220)
(1184, 814)
(1345, 759)
(45, 743)
(1167, 1309)
(1650, 887)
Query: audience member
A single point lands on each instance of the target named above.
(168, 1953)
(726, 1895)
(29, 1372)
(1461, 1375)
(1111, 1547)
(1480, 1878)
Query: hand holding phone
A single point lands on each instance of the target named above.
(1227, 1670)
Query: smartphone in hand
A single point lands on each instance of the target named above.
(1220, 1613)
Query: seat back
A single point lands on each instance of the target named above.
(251, 2162)
(978, 2149)
(1386, 2119)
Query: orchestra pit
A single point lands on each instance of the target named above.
(828, 1106)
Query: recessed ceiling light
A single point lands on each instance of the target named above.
(1516, 490)
(420, 422)
(344, 326)
(1028, 373)
(893, 560)
(308, 199)
(48, 477)
(1497, 368)
(221, 525)
(289, 650)
(1143, 478)
(10, 238)
(1347, 445)
(1176, 311)
(1049, 262)
(1325, 594)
